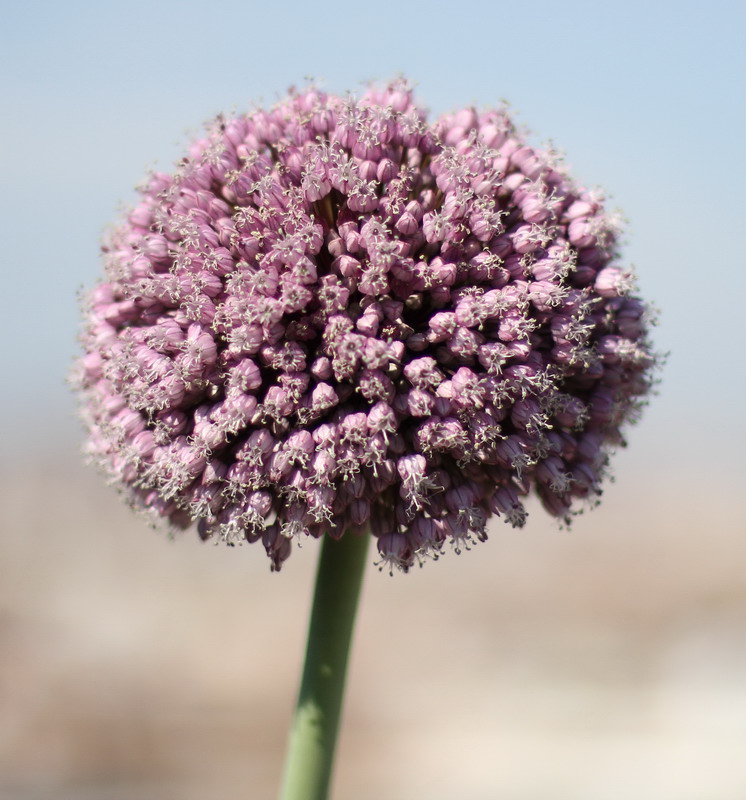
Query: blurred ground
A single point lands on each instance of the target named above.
(606, 663)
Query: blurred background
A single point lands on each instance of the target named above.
(604, 663)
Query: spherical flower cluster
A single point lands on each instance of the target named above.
(337, 316)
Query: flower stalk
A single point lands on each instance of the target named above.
(313, 735)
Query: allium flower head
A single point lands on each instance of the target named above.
(335, 315)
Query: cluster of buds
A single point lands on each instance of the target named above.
(337, 316)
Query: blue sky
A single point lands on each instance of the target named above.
(645, 99)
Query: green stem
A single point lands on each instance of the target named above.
(313, 734)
